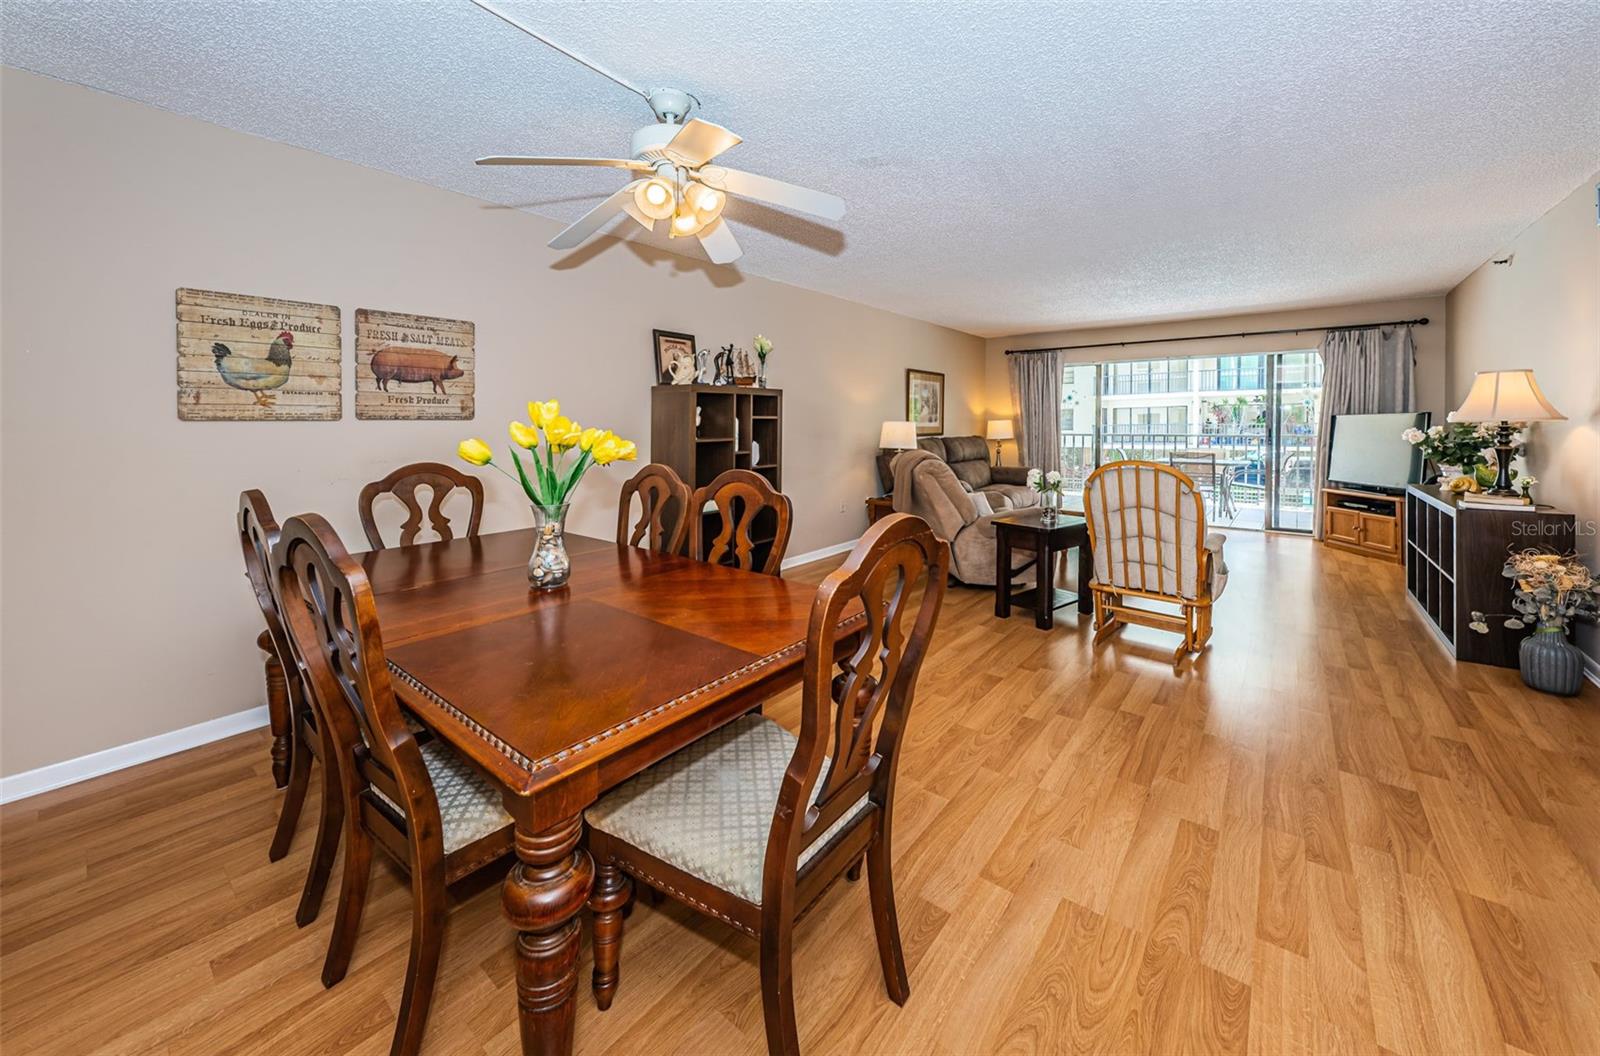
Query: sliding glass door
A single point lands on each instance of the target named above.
(1244, 427)
(1295, 402)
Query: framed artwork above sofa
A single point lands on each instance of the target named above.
(925, 401)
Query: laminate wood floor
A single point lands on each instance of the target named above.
(1325, 836)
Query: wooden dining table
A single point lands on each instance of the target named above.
(558, 696)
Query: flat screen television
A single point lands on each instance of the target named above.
(1366, 452)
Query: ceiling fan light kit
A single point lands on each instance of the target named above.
(676, 180)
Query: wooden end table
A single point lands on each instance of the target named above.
(1026, 530)
(879, 507)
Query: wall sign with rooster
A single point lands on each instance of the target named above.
(413, 366)
(244, 358)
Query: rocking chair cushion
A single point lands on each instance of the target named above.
(707, 809)
(1219, 567)
(469, 806)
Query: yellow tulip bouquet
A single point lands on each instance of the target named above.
(549, 443)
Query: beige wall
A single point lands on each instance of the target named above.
(1542, 311)
(1430, 341)
(126, 610)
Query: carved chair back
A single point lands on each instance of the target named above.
(740, 495)
(403, 483)
(663, 510)
(258, 534)
(853, 711)
(333, 624)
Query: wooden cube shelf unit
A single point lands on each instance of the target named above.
(1454, 561)
(1365, 522)
(730, 416)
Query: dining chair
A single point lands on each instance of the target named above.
(751, 823)
(403, 484)
(661, 526)
(1148, 537)
(1200, 467)
(430, 810)
(300, 743)
(740, 496)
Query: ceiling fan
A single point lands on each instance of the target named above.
(674, 178)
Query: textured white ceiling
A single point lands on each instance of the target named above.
(1008, 167)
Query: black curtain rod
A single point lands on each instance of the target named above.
(1212, 337)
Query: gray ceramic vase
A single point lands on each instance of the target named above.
(1550, 663)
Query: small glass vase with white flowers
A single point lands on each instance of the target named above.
(1049, 486)
(554, 475)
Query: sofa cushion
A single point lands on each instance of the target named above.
(973, 474)
(966, 449)
(1010, 496)
(934, 445)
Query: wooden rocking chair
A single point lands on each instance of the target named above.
(1147, 531)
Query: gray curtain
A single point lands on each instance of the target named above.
(1363, 372)
(1036, 395)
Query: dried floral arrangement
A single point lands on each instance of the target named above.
(1549, 590)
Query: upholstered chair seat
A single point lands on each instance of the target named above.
(707, 809)
(469, 806)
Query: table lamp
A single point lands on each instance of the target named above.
(898, 436)
(1000, 432)
(1504, 397)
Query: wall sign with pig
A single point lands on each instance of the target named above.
(413, 366)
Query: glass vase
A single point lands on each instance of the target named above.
(548, 567)
(1049, 507)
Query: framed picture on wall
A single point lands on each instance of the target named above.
(925, 401)
(667, 346)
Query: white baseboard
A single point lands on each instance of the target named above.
(71, 771)
(818, 555)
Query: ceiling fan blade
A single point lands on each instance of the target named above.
(631, 207)
(697, 142)
(610, 163)
(594, 219)
(773, 192)
(719, 243)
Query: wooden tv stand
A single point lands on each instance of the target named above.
(1363, 522)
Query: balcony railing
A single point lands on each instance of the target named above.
(1145, 384)
(1229, 380)
(1241, 457)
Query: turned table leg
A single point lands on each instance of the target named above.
(278, 717)
(543, 895)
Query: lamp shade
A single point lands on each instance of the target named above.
(1505, 396)
(898, 436)
(1000, 429)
